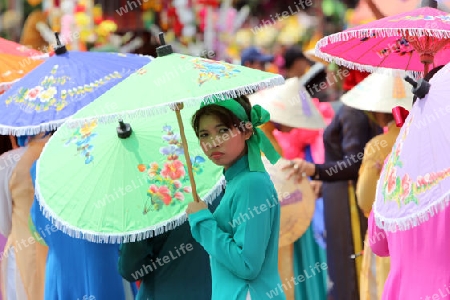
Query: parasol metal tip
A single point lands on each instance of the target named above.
(164, 49)
(60, 48)
(161, 39)
(58, 41)
(124, 130)
(420, 88)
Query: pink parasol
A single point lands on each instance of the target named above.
(411, 41)
(12, 48)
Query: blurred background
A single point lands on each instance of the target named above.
(223, 26)
(218, 29)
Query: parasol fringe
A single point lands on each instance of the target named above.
(170, 106)
(381, 32)
(125, 237)
(368, 68)
(407, 223)
(30, 130)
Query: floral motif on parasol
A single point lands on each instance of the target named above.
(213, 70)
(61, 85)
(169, 181)
(414, 184)
(404, 189)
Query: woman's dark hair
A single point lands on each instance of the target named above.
(225, 116)
(5, 144)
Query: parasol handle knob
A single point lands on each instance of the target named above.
(411, 81)
(420, 88)
(164, 49)
(124, 130)
(60, 48)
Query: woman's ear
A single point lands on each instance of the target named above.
(248, 134)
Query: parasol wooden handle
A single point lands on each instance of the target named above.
(375, 10)
(179, 107)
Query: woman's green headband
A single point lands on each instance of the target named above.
(258, 141)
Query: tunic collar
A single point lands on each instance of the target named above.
(239, 166)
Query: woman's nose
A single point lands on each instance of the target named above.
(217, 140)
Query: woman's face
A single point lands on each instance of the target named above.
(223, 145)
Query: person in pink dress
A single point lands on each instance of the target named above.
(420, 260)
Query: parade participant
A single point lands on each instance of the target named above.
(253, 58)
(188, 276)
(28, 256)
(296, 64)
(414, 236)
(8, 161)
(76, 268)
(381, 94)
(296, 127)
(345, 225)
(243, 251)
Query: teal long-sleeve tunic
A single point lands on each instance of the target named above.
(241, 237)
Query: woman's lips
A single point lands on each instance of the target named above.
(216, 155)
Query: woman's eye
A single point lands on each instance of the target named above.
(224, 130)
(203, 135)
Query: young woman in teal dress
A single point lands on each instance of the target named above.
(241, 236)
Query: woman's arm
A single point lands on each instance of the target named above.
(13, 142)
(243, 252)
(5, 197)
(36, 215)
(377, 238)
(134, 256)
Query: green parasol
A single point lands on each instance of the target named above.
(104, 188)
(172, 78)
(112, 184)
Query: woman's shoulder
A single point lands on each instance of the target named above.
(256, 181)
(255, 177)
(257, 187)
